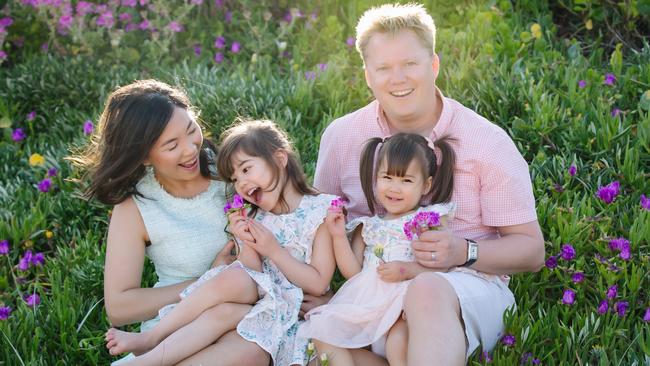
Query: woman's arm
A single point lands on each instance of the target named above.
(126, 302)
(313, 278)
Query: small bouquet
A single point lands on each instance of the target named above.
(423, 221)
(237, 204)
(378, 250)
(338, 202)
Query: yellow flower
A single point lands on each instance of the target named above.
(36, 159)
(536, 30)
(379, 251)
(49, 234)
(589, 24)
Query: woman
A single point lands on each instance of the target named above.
(150, 160)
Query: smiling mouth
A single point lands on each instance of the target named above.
(254, 193)
(190, 164)
(402, 93)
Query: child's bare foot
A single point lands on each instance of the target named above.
(118, 342)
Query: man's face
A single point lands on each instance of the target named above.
(401, 74)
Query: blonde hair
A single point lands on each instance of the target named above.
(393, 18)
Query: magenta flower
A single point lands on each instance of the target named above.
(219, 3)
(105, 19)
(45, 185)
(350, 41)
(52, 172)
(582, 84)
(621, 245)
(220, 42)
(609, 192)
(38, 259)
(235, 47)
(45, 47)
(645, 202)
(485, 357)
(569, 297)
(610, 79)
(567, 252)
(621, 308)
(310, 75)
(322, 67)
(573, 170)
(197, 50)
(551, 262)
(125, 17)
(130, 27)
(25, 261)
(130, 3)
(175, 27)
(4, 247)
(3, 55)
(615, 112)
(237, 204)
(5, 311)
(603, 307)
(84, 7)
(228, 17)
(31, 115)
(508, 340)
(612, 292)
(5, 22)
(144, 25)
(18, 135)
(33, 300)
(287, 17)
(88, 127)
(197, 2)
(65, 22)
(646, 316)
(337, 202)
(218, 57)
(578, 277)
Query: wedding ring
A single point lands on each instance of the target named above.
(433, 256)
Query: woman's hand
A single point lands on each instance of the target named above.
(335, 222)
(264, 242)
(225, 256)
(395, 271)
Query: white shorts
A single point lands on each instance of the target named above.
(482, 305)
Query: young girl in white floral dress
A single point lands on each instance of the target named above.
(379, 264)
(285, 250)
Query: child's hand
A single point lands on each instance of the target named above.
(264, 242)
(238, 225)
(395, 271)
(335, 222)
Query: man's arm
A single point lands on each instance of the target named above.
(327, 178)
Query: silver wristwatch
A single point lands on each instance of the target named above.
(472, 252)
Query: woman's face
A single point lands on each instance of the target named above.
(175, 155)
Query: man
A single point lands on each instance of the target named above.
(495, 231)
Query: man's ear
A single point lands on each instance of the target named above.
(365, 74)
(435, 64)
(281, 157)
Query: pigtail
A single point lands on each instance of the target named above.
(366, 171)
(443, 175)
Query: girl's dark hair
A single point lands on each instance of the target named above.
(262, 138)
(133, 119)
(398, 151)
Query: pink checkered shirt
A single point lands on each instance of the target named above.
(492, 187)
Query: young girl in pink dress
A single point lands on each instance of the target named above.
(409, 185)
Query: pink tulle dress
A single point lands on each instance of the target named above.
(366, 307)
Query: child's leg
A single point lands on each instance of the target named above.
(232, 285)
(397, 343)
(336, 356)
(195, 336)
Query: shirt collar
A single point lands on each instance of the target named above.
(438, 130)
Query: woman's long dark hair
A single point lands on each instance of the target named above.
(133, 119)
(397, 152)
(262, 138)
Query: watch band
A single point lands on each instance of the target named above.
(472, 252)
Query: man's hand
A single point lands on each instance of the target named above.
(225, 256)
(448, 250)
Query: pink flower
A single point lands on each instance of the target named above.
(105, 20)
(175, 27)
(5, 22)
(572, 170)
(31, 115)
(218, 57)
(603, 307)
(610, 79)
(88, 127)
(197, 2)
(228, 17)
(125, 17)
(25, 261)
(337, 202)
(615, 112)
(621, 245)
(237, 204)
(646, 316)
(84, 7)
(645, 202)
(322, 67)
(220, 42)
(3, 55)
(219, 3)
(578, 277)
(144, 25)
(45, 185)
(235, 47)
(582, 84)
(350, 41)
(129, 3)
(621, 308)
(612, 292)
(197, 50)
(5, 311)
(4, 247)
(609, 192)
(569, 297)
(65, 22)
(33, 300)
(567, 252)
(310, 75)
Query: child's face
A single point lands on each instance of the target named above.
(253, 180)
(400, 195)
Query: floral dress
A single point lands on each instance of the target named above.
(366, 307)
(272, 323)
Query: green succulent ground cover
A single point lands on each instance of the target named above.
(508, 62)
